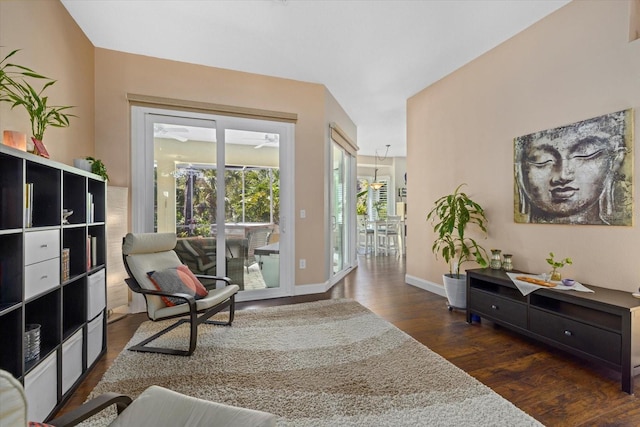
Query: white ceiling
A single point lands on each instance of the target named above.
(371, 55)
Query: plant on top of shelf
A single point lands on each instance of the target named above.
(555, 265)
(98, 167)
(9, 72)
(41, 114)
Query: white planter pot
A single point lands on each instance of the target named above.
(83, 164)
(456, 290)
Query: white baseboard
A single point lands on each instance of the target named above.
(432, 287)
(312, 288)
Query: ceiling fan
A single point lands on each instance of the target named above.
(178, 133)
(270, 140)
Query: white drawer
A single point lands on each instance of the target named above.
(94, 339)
(96, 294)
(71, 360)
(41, 389)
(41, 277)
(41, 245)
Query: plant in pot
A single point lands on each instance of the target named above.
(9, 73)
(98, 167)
(361, 202)
(451, 216)
(556, 265)
(41, 114)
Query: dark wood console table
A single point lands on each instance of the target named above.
(602, 327)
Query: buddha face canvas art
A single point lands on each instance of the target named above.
(576, 174)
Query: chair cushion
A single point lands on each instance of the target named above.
(144, 243)
(158, 406)
(215, 297)
(13, 409)
(140, 264)
(177, 279)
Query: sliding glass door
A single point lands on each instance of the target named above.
(216, 182)
(342, 211)
(252, 208)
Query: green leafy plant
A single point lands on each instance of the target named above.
(555, 265)
(41, 114)
(9, 73)
(98, 167)
(361, 201)
(451, 215)
(380, 207)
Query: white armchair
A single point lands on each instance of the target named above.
(155, 407)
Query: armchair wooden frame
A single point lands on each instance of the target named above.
(155, 406)
(195, 317)
(91, 408)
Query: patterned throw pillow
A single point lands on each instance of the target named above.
(178, 279)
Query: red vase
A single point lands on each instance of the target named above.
(39, 148)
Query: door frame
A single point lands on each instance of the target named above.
(142, 189)
(350, 259)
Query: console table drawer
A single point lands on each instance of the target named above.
(598, 342)
(497, 308)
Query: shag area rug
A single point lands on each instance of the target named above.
(326, 363)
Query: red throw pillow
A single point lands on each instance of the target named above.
(177, 280)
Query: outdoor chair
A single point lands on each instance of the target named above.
(199, 254)
(171, 290)
(154, 407)
(192, 252)
(256, 238)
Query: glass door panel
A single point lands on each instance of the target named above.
(185, 189)
(252, 205)
(338, 235)
(215, 181)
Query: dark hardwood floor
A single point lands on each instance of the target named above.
(554, 387)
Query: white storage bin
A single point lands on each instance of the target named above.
(71, 360)
(96, 294)
(41, 245)
(41, 277)
(41, 389)
(94, 339)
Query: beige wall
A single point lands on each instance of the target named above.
(52, 44)
(119, 73)
(575, 64)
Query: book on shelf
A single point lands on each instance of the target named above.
(90, 208)
(65, 264)
(88, 252)
(28, 204)
(94, 250)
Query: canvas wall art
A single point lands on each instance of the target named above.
(580, 173)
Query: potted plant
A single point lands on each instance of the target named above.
(41, 114)
(555, 265)
(98, 167)
(9, 72)
(361, 201)
(451, 215)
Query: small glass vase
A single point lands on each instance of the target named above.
(555, 275)
(496, 259)
(507, 263)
